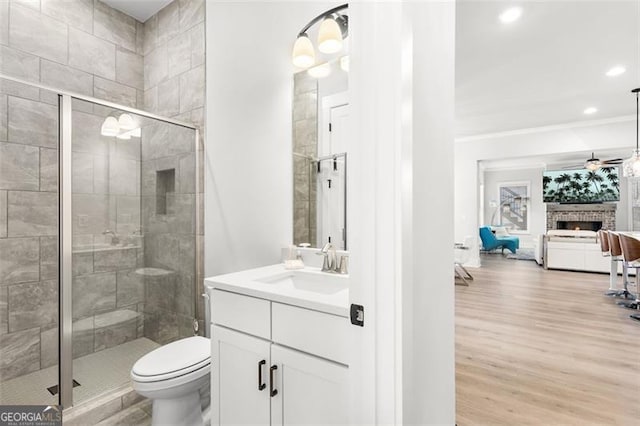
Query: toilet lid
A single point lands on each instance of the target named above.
(174, 359)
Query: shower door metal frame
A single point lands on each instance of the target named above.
(65, 221)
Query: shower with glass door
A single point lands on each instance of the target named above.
(98, 248)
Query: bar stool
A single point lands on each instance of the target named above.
(606, 252)
(615, 249)
(631, 255)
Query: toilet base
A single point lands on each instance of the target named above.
(182, 411)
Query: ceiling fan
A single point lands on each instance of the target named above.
(594, 163)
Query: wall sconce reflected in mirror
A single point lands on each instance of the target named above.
(124, 127)
(334, 28)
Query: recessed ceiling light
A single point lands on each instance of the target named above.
(510, 15)
(591, 110)
(616, 71)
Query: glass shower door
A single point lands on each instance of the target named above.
(133, 241)
(29, 224)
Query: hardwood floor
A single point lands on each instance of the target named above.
(544, 348)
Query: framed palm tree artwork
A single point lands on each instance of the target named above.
(581, 186)
(513, 210)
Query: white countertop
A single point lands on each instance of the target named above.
(246, 282)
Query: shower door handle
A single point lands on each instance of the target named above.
(261, 384)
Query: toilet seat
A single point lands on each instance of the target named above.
(180, 358)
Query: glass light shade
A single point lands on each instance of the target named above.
(631, 166)
(124, 136)
(110, 127)
(320, 71)
(126, 122)
(592, 166)
(329, 36)
(344, 63)
(303, 55)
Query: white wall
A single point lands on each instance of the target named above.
(248, 167)
(405, 352)
(402, 90)
(577, 137)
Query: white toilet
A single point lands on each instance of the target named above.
(171, 376)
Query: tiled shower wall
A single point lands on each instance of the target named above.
(174, 86)
(86, 47)
(305, 142)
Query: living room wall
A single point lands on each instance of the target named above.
(537, 208)
(571, 138)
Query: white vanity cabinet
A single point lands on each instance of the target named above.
(276, 364)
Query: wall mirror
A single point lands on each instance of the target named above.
(320, 150)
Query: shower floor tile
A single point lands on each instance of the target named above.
(97, 373)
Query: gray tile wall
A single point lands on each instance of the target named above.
(85, 47)
(174, 86)
(28, 225)
(305, 142)
(82, 46)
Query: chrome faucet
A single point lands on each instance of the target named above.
(114, 238)
(329, 253)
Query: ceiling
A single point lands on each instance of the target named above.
(547, 67)
(552, 161)
(139, 9)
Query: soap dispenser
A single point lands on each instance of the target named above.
(294, 259)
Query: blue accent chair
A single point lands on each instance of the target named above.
(491, 242)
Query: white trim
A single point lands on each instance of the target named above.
(328, 102)
(544, 129)
(515, 167)
(99, 102)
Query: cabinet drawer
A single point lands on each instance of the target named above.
(317, 333)
(243, 313)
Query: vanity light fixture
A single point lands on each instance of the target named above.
(110, 127)
(125, 121)
(344, 63)
(334, 28)
(510, 15)
(303, 55)
(631, 166)
(616, 71)
(320, 71)
(590, 110)
(329, 36)
(123, 127)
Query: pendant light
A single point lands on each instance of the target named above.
(329, 36)
(631, 166)
(303, 55)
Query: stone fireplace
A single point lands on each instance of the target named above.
(590, 217)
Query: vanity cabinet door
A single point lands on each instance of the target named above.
(310, 390)
(239, 379)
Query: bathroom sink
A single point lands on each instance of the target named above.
(314, 282)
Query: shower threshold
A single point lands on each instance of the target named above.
(98, 372)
